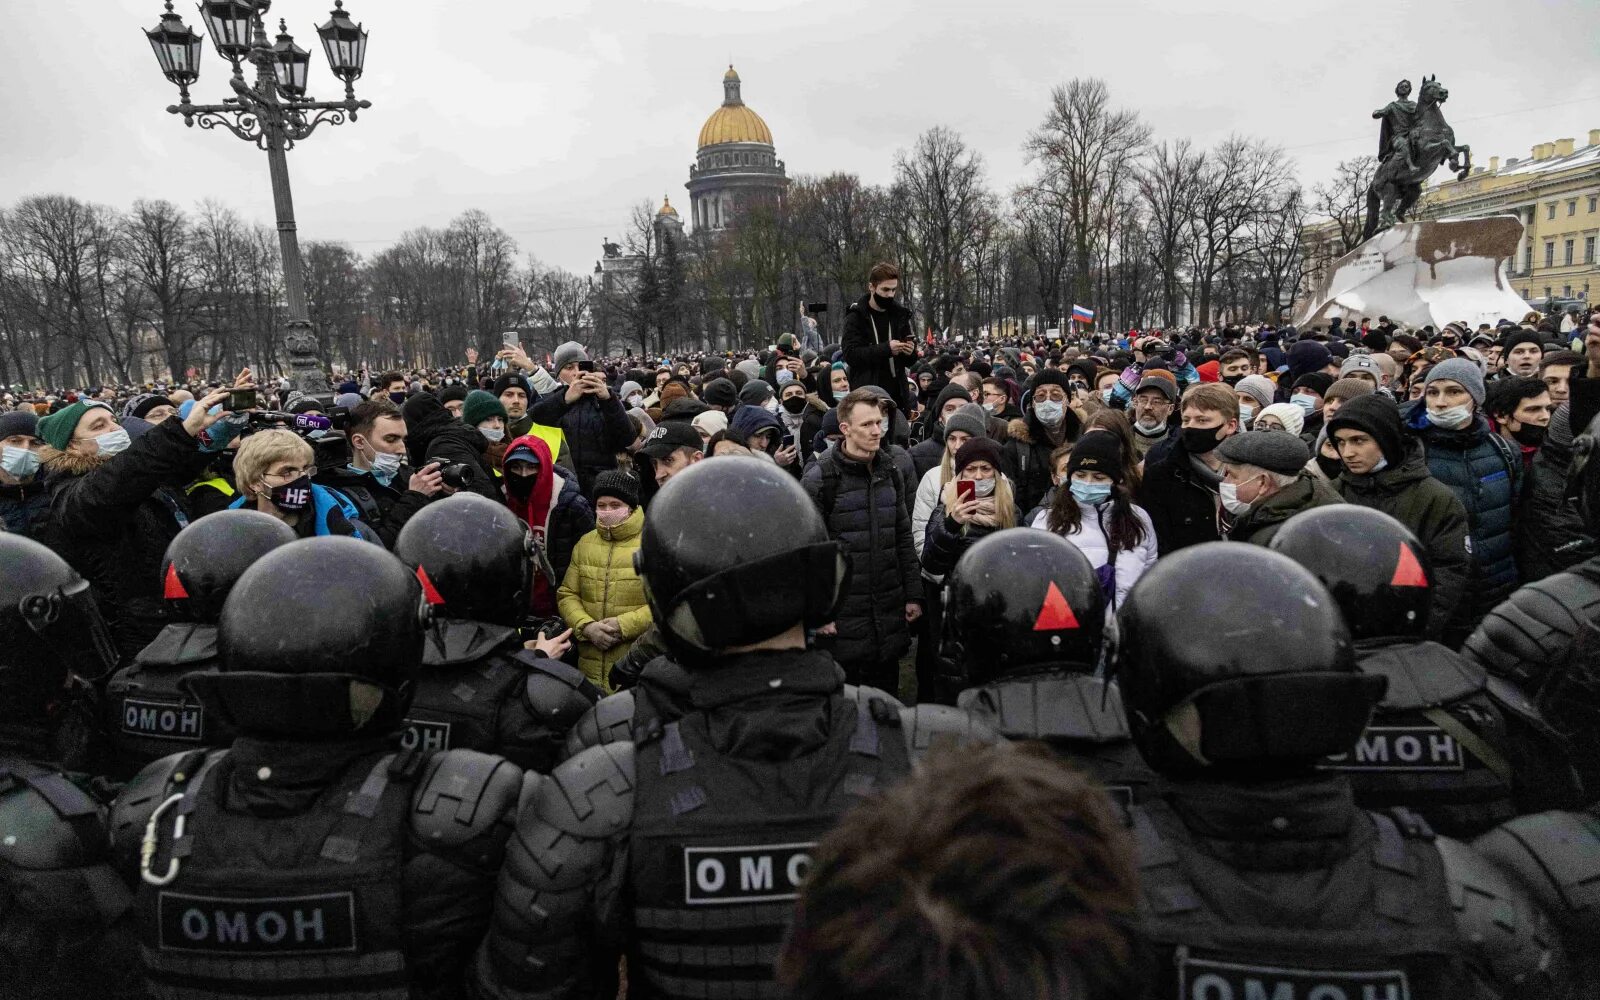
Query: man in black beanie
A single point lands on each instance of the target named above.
(1387, 471)
(516, 395)
(454, 397)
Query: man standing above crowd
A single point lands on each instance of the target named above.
(594, 426)
(879, 344)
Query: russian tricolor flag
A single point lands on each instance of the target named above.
(1082, 315)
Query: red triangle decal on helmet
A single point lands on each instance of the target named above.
(429, 591)
(1408, 572)
(1056, 613)
(174, 590)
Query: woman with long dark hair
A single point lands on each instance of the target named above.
(1094, 510)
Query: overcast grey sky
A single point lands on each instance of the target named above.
(555, 116)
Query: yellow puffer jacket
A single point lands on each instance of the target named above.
(600, 584)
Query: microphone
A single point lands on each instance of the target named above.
(299, 421)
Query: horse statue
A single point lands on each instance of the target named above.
(1428, 143)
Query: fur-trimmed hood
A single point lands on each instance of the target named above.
(57, 464)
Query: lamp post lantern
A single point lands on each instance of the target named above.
(274, 114)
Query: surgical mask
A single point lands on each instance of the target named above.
(493, 434)
(1306, 403)
(1246, 414)
(1451, 418)
(293, 495)
(784, 376)
(883, 426)
(611, 518)
(22, 462)
(983, 488)
(1229, 492)
(385, 466)
(771, 405)
(112, 442)
(1106, 393)
(1151, 428)
(1049, 411)
(1093, 494)
(635, 399)
(991, 407)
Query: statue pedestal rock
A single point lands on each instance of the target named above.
(1425, 273)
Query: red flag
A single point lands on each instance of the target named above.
(1407, 571)
(429, 591)
(1056, 613)
(928, 338)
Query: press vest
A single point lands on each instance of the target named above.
(719, 846)
(306, 905)
(1374, 925)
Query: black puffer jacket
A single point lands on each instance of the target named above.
(385, 509)
(433, 435)
(112, 519)
(595, 430)
(1182, 506)
(873, 521)
(1550, 534)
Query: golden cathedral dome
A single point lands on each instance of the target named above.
(733, 122)
(667, 209)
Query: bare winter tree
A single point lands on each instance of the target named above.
(939, 209)
(1169, 181)
(1276, 250)
(162, 256)
(1241, 179)
(1343, 199)
(1084, 148)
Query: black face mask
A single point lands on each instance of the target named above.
(1330, 467)
(1200, 440)
(293, 495)
(794, 404)
(881, 302)
(1531, 435)
(519, 486)
(1232, 380)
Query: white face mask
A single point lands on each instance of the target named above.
(113, 442)
(385, 466)
(1229, 492)
(19, 462)
(494, 434)
(883, 425)
(1451, 418)
(634, 400)
(983, 487)
(771, 405)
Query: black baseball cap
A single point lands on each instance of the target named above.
(668, 438)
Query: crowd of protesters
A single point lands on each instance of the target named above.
(1124, 458)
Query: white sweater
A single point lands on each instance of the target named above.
(1091, 541)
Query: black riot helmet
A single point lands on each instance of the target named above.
(207, 558)
(734, 552)
(1372, 565)
(1235, 661)
(1583, 475)
(320, 638)
(1021, 599)
(50, 627)
(472, 557)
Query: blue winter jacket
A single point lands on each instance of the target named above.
(1486, 474)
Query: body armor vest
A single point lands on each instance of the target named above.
(720, 846)
(1078, 716)
(477, 690)
(305, 905)
(1374, 925)
(1436, 745)
(148, 716)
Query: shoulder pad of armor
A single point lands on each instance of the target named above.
(1424, 676)
(862, 693)
(180, 644)
(929, 726)
(462, 794)
(453, 641)
(1509, 934)
(1511, 699)
(140, 797)
(555, 693)
(590, 794)
(1555, 856)
(609, 720)
(46, 822)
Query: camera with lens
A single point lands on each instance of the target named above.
(457, 475)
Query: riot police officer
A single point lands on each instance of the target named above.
(1024, 618)
(1552, 856)
(479, 689)
(1464, 750)
(683, 846)
(1260, 875)
(147, 715)
(1542, 637)
(58, 891)
(313, 857)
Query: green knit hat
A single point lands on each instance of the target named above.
(57, 428)
(480, 406)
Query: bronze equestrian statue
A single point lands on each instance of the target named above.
(1413, 142)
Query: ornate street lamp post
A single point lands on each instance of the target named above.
(274, 114)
